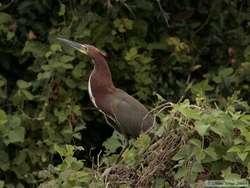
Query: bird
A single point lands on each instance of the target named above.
(122, 111)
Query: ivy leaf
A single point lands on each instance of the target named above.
(184, 152)
(14, 136)
(182, 172)
(3, 117)
(23, 84)
(201, 127)
(2, 81)
(5, 18)
(211, 152)
(131, 54)
(4, 161)
(235, 149)
(227, 174)
(113, 143)
(128, 23)
(129, 157)
(220, 129)
(185, 109)
(44, 75)
(27, 95)
(61, 115)
(201, 87)
(242, 155)
(59, 150)
(38, 49)
(195, 142)
(56, 47)
(14, 121)
(79, 70)
(144, 5)
(142, 142)
(62, 9)
(1, 184)
(245, 133)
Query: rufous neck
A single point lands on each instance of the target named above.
(102, 71)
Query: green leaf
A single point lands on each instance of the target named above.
(20, 158)
(2, 81)
(131, 54)
(245, 133)
(182, 172)
(4, 160)
(247, 148)
(197, 167)
(226, 72)
(123, 24)
(38, 49)
(70, 83)
(80, 127)
(27, 95)
(5, 18)
(81, 176)
(242, 155)
(247, 53)
(185, 109)
(129, 157)
(3, 117)
(44, 75)
(220, 129)
(235, 149)
(212, 153)
(228, 175)
(201, 127)
(62, 10)
(184, 153)
(142, 142)
(79, 70)
(23, 84)
(145, 59)
(61, 115)
(144, 5)
(59, 150)
(10, 35)
(195, 142)
(56, 47)
(201, 87)
(15, 136)
(1, 184)
(77, 136)
(128, 23)
(66, 59)
(113, 143)
(14, 121)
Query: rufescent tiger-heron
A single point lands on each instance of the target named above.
(128, 115)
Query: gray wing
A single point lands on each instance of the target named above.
(131, 116)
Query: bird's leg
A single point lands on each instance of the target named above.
(109, 123)
(125, 146)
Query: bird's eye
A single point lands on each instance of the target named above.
(84, 49)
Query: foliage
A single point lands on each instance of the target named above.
(193, 144)
(193, 49)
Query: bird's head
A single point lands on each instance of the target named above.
(87, 49)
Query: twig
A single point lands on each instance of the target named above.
(163, 12)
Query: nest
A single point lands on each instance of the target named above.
(120, 174)
(157, 163)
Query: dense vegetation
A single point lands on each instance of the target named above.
(188, 60)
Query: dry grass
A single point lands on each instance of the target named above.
(156, 162)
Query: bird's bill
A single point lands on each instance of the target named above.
(80, 47)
